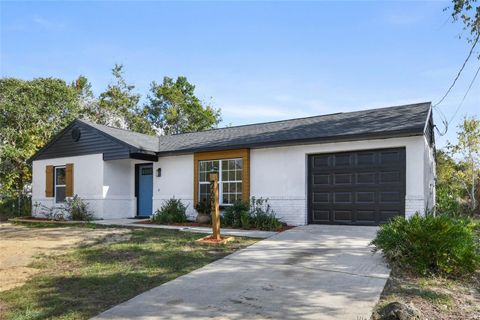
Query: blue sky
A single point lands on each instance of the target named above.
(257, 61)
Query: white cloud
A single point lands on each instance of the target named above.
(46, 24)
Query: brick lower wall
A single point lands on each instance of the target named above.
(414, 204)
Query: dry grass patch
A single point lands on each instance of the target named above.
(89, 279)
(435, 297)
(22, 244)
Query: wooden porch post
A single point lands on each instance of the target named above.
(215, 206)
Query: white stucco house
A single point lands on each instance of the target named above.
(361, 167)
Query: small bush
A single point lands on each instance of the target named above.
(204, 207)
(264, 217)
(78, 209)
(430, 244)
(232, 214)
(257, 214)
(171, 211)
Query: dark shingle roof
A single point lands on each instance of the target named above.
(384, 122)
(398, 120)
(140, 141)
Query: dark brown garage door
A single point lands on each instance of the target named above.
(361, 187)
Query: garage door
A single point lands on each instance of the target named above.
(361, 187)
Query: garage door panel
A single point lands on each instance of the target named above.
(321, 197)
(321, 161)
(390, 177)
(362, 187)
(342, 160)
(342, 197)
(365, 197)
(365, 178)
(366, 216)
(390, 157)
(321, 216)
(342, 178)
(343, 215)
(321, 179)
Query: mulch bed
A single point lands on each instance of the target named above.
(211, 240)
(195, 224)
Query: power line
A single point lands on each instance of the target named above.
(465, 96)
(459, 72)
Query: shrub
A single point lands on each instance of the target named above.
(203, 207)
(232, 214)
(171, 211)
(264, 217)
(430, 244)
(78, 209)
(257, 214)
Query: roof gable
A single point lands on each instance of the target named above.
(91, 141)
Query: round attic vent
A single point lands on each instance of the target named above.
(76, 133)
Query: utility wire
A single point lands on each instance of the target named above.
(465, 96)
(459, 71)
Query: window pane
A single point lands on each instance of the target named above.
(147, 171)
(202, 166)
(231, 176)
(238, 164)
(224, 165)
(59, 194)
(231, 164)
(226, 188)
(60, 174)
(238, 175)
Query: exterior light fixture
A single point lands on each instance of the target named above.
(159, 172)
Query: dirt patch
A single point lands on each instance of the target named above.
(436, 298)
(20, 246)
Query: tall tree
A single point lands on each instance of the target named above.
(173, 108)
(30, 112)
(468, 12)
(467, 153)
(119, 106)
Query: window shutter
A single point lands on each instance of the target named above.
(49, 181)
(69, 180)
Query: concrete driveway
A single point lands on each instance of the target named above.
(311, 272)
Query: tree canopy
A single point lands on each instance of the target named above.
(173, 108)
(458, 170)
(31, 111)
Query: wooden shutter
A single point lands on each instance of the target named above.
(69, 180)
(49, 181)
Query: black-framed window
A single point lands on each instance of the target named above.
(230, 179)
(60, 184)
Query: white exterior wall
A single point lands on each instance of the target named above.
(107, 186)
(429, 175)
(280, 174)
(87, 181)
(176, 181)
(119, 189)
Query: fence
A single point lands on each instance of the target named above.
(15, 207)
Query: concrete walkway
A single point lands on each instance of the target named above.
(226, 231)
(311, 272)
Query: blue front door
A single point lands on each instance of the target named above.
(145, 189)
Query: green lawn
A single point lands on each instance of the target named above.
(93, 278)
